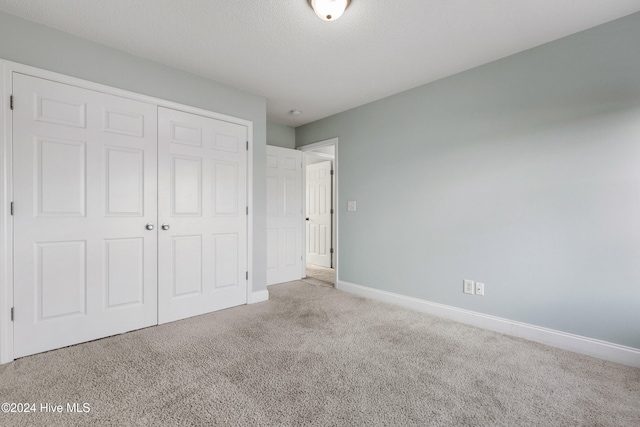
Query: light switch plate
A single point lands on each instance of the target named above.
(480, 289)
(351, 206)
(468, 286)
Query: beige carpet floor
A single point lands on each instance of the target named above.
(327, 275)
(313, 355)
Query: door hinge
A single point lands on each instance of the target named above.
(247, 210)
(331, 250)
(247, 145)
(11, 102)
(13, 313)
(331, 211)
(247, 275)
(11, 208)
(331, 171)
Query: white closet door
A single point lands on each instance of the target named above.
(84, 190)
(319, 214)
(202, 188)
(284, 215)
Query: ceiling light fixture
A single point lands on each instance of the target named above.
(329, 10)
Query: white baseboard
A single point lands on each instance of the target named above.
(258, 296)
(576, 343)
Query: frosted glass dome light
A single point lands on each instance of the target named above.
(329, 10)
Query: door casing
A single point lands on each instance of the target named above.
(336, 200)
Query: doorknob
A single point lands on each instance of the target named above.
(165, 226)
(149, 226)
(307, 219)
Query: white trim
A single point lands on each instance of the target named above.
(576, 343)
(110, 90)
(320, 144)
(303, 217)
(6, 182)
(259, 296)
(6, 221)
(320, 155)
(250, 216)
(336, 199)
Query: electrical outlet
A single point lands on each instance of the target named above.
(351, 206)
(480, 289)
(468, 286)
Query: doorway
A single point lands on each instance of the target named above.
(320, 213)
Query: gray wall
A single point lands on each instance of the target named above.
(281, 135)
(523, 174)
(33, 44)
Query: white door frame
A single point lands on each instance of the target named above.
(7, 68)
(310, 147)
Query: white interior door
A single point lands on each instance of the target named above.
(319, 213)
(202, 237)
(84, 190)
(284, 215)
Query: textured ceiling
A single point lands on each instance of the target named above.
(279, 49)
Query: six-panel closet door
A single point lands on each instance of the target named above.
(202, 181)
(85, 187)
(126, 214)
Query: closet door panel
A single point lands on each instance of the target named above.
(202, 203)
(85, 187)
